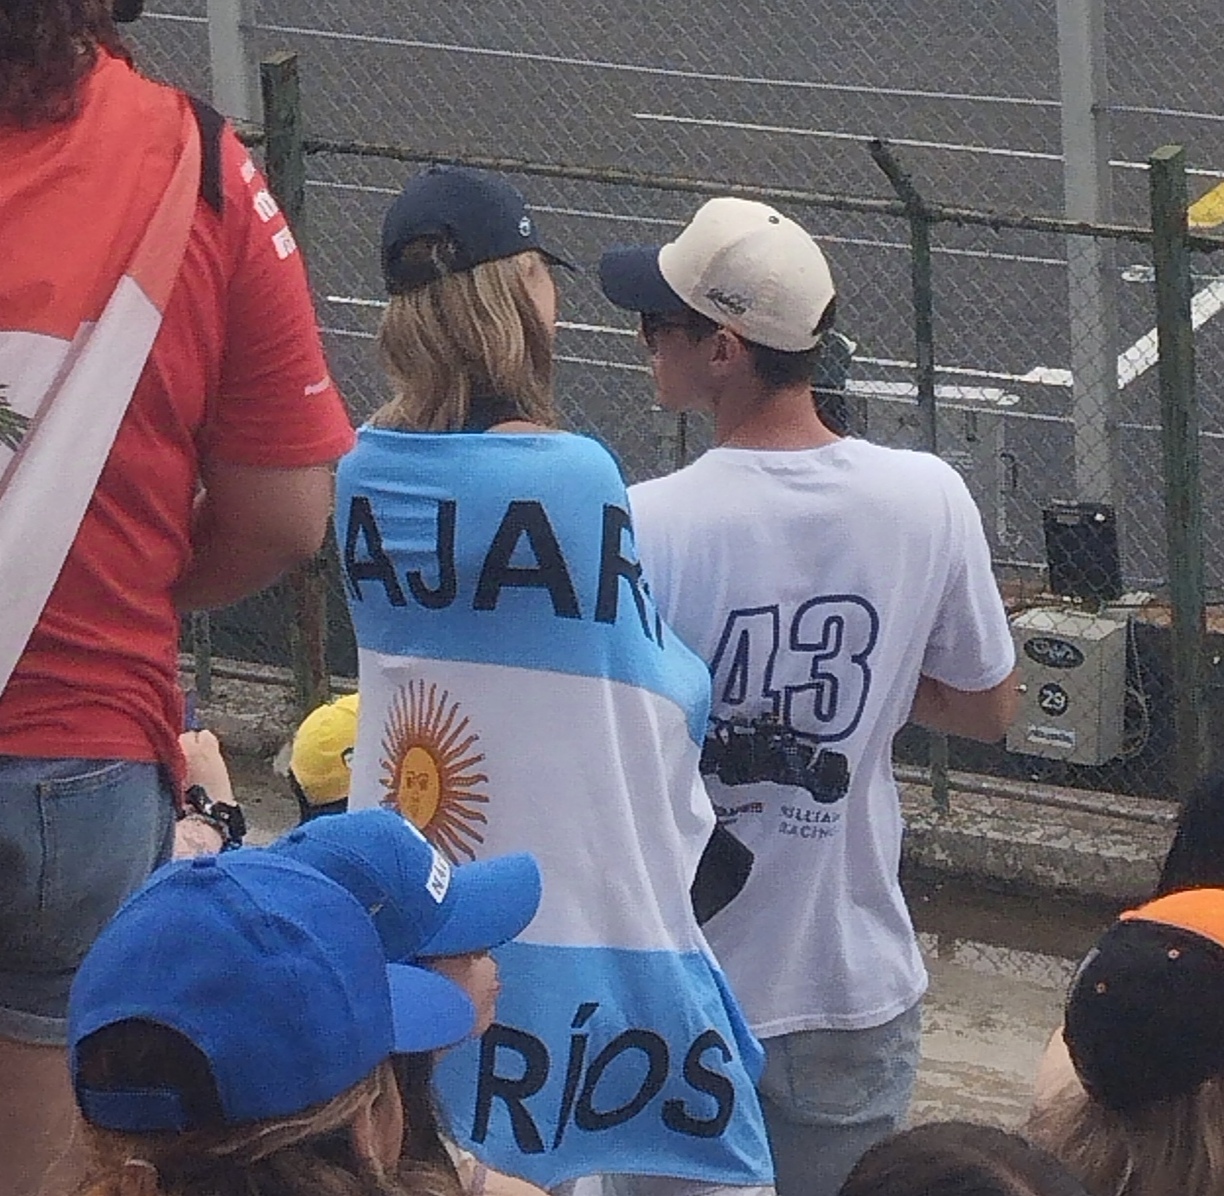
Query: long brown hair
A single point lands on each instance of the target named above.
(476, 332)
(1170, 1148)
(311, 1153)
(47, 47)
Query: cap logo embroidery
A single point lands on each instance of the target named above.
(729, 301)
(429, 763)
(439, 878)
(525, 227)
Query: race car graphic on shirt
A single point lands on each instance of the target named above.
(780, 697)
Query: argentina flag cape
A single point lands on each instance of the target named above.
(519, 692)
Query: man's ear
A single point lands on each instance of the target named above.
(724, 346)
(728, 348)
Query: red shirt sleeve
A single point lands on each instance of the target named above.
(277, 405)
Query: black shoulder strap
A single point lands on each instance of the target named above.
(211, 123)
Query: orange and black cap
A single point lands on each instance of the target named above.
(1145, 1013)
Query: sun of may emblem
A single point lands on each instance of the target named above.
(428, 765)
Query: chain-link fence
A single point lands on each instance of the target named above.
(1047, 380)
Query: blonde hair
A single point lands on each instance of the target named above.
(308, 1154)
(476, 332)
(1171, 1148)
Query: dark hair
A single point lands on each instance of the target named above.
(309, 810)
(139, 1054)
(422, 1131)
(47, 48)
(959, 1158)
(776, 368)
(1196, 856)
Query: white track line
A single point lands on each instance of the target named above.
(636, 68)
(1143, 354)
(1133, 362)
(909, 142)
(673, 73)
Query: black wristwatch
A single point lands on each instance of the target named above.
(227, 818)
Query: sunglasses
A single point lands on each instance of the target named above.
(697, 326)
(654, 323)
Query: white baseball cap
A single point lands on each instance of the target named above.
(737, 262)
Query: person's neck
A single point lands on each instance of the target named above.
(770, 419)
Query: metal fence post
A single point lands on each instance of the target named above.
(1180, 436)
(922, 283)
(201, 650)
(231, 63)
(286, 167)
(1090, 276)
(284, 148)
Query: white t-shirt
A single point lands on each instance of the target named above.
(818, 584)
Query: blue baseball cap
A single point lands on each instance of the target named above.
(481, 213)
(273, 971)
(629, 275)
(421, 906)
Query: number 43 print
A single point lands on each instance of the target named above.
(814, 676)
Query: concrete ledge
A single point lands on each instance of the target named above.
(1009, 843)
(998, 841)
(252, 720)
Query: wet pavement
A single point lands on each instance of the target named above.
(999, 968)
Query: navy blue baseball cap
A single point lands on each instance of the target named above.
(273, 971)
(482, 214)
(421, 906)
(629, 275)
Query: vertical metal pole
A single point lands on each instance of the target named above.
(1091, 302)
(922, 283)
(1180, 437)
(230, 34)
(285, 155)
(286, 166)
(924, 326)
(201, 648)
(924, 357)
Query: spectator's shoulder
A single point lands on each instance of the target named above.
(913, 470)
(671, 487)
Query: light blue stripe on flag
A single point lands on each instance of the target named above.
(613, 1061)
(534, 565)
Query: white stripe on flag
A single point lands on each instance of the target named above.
(578, 770)
(44, 491)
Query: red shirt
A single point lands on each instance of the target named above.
(236, 374)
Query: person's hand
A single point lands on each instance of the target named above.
(194, 836)
(205, 765)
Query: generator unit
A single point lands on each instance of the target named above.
(1073, 669)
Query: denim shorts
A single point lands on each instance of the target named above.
(829, 1095)
(76, 837)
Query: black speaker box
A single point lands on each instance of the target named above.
(1081, 541)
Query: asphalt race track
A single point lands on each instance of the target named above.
(967, 91)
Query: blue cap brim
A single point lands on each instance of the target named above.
(630, 277)
(492, 901)
(428, 1012)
